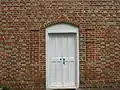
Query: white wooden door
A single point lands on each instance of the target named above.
(68, 54)
(62, 53)
(55, 64)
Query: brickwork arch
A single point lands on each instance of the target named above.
(60, 22)
(62, 19)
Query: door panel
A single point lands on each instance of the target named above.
(56, 63)
(62, 60)
(69, 56)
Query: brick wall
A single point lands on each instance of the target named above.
(22, 41)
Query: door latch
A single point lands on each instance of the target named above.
(63, 61)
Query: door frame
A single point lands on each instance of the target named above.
(62, 28)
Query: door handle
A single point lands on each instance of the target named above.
(63, 61)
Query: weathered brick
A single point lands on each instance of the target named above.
(22, 41)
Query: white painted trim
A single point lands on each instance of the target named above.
(46, 58)
(78, 59)
(63, 28)
(62, 31)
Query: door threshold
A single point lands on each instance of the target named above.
(64, 89)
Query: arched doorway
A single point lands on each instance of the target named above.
(62, 57)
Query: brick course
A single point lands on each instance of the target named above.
(22, 41)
